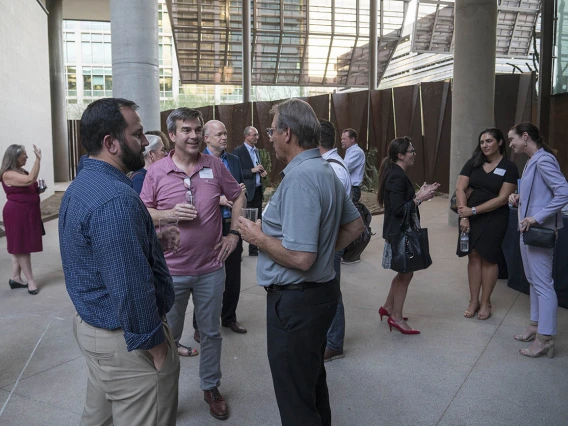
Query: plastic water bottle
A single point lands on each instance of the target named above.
(464, 242)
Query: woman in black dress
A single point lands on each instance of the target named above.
(396, 192)
(485, 215)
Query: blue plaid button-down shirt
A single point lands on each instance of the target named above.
(114, 267)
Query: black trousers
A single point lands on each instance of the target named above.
(232, 282)
(256, 203)
(355, 193)
(297, 324)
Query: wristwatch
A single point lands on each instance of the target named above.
(473, 211)
(235, 232)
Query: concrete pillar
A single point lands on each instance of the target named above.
(247, 62)
(135, 66)
(57, 85)
(473, 94)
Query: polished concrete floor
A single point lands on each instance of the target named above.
(457, 372)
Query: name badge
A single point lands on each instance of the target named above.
(500, 172)
(206, 173)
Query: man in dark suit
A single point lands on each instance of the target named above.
(252, 173)
(215, 136)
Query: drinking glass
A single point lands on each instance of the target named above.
(250, 214)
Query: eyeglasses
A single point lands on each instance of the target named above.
(270, 131)
(411, 151)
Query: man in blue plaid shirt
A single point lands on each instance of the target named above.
(117, 277)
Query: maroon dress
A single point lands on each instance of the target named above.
(22, 219)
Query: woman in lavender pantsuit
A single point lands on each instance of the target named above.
(543, 181)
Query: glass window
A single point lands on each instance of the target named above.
(108, 53)
(70, 55)
(98, 82)
(98, 53)
(70, 25)
(85, 25)
(85, 37)
(107, 38)
(87, 82)
(108, 82)
(71, 79)
(86, 52)
(97, 37)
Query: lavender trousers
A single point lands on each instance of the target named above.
(537, 263)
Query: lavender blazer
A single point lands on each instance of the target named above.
(548, 190)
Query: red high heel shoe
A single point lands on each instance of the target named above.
(392, 323)
(384, 313)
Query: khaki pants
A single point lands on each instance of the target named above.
(124, 388)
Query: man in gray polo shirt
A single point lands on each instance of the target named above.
(307, 220)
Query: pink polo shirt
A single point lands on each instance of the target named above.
(163, 188)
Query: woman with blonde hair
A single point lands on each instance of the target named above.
(153, 152)
(21, 214)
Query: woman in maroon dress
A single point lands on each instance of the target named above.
(21, 214)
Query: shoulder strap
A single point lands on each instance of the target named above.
(332, 160)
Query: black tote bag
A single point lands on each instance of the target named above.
(410, 247)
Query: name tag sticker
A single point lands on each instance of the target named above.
(206, 173)
(500, 172)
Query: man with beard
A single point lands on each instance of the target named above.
(117, 278)
(198, 266)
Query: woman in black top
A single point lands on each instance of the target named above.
(396, 192)
(485, 215)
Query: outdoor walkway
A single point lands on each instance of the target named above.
(457, 372)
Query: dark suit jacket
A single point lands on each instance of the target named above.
(398, 191)
(234, 166)
(249, 177)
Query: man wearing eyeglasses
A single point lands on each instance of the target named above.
(252, 173)
(197, 268)
(307, 220)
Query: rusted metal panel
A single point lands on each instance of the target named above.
(235, 118)
(349, 110)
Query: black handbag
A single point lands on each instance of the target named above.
(410, 247)
(538, 236)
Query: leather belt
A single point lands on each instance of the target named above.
(293, 287)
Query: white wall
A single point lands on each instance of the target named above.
(25, 110)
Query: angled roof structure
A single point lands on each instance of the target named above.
(294, 42)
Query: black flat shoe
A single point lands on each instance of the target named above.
(33, 292)
(16, 284)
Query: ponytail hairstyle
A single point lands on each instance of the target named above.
(534, 134)
(396, 146)
(478, 156)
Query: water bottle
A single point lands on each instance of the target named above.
(464, 242)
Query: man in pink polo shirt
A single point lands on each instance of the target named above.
(197, 267)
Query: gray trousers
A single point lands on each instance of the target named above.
(207, 290)
(124, 388)
(537, 263)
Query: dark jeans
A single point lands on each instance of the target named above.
(355, 193)
(256, 203)
(336, 332)
(297, 322)
(232, 282)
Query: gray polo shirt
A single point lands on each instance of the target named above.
(305, 213)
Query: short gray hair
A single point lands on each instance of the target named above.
(300, 118)
(183, 114)
(247, 130)
(153, 142)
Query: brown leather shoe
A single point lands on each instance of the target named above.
(217, 405)
(197, 336)
(330, 355)
(236, 327)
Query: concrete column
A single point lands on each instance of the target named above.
(247, 62)
(57, 85)
(135, 65)
(473, 94)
